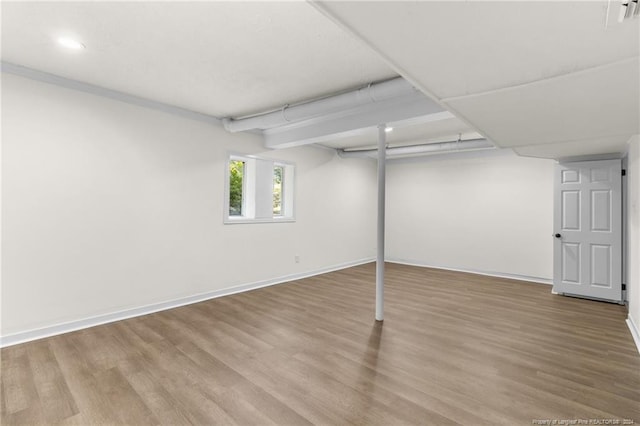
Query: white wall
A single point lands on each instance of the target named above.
(489, 214)
(633, 234)
(109, 206)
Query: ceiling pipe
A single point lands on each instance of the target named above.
(372, 93)
(427, 148)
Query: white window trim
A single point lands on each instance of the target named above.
(248, 199)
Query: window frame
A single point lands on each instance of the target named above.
(249, 190)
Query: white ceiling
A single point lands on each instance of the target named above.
(478, 46)
(550, 79)
(217, 58)
(525, 74)
(598, 102)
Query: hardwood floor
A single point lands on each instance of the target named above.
(454, 348)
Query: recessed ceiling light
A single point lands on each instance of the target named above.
(70, 43)
(388, 129)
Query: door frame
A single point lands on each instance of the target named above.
(557, 209)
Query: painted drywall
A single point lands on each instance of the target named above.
(487, 213)
(633, 234)
(108, 206)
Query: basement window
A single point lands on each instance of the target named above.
(236, 187)
(258, 190)
(278, 188)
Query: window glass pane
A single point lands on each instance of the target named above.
(278, 176)
(236, 177)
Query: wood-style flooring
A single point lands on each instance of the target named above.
(454, 348)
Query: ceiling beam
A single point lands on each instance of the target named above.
(394, 112)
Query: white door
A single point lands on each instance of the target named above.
(587, 252)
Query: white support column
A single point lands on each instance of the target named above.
(382, 154)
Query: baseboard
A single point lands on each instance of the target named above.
(635, 332)
(473, 271)
(53, 330)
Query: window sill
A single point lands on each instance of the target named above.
(245, 220)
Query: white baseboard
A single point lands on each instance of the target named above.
(53, 330)
(635, 332)
(473, 271)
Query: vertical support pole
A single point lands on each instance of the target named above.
(382, 156)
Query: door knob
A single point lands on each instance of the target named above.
(558, 236)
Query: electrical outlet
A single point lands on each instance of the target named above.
(296, 258)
